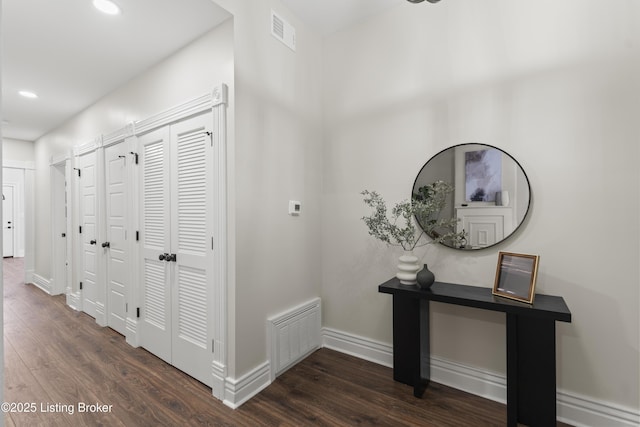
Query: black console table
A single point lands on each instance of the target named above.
(531, 343)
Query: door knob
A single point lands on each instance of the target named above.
(92, 242)
(172, 257)
(106, 245)
(162, 257)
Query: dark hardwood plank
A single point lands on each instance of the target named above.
(56, 355)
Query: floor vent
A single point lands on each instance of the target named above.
(283, 31)
(293, 335)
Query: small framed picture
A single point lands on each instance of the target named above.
(516, 276)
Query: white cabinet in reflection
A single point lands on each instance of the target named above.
(484, 225)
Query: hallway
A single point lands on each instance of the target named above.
(57, 360)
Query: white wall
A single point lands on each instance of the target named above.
(555, 84)
(189, 73)
(17, 150)
(276, 157)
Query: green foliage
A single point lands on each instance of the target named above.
(401, 229)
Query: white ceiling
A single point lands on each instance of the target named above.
(72, 55)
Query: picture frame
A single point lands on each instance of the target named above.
(516, 276)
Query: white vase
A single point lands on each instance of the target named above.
(408, 268)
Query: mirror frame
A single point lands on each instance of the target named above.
(521, 169)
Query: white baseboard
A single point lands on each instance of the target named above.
(579, 411)
(132, 334)
(239, 391)
(582, 411)
(41, 283)
(360, 347)
(101, 315)
(73, 300)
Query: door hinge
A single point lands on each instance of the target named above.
(80, 229)
(137, 236)
(77, 169)
(211, 243)
(80, 285)
(138, 312)
(213, 346)
(126, 307)
(135, 157)
(210, 137)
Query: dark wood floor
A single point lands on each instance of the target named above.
(54, 355)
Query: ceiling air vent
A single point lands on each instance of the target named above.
(283, 31)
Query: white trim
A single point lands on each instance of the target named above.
(360, 347)
(88, 147)
(73, 300)
(59, 159)
(132, 334)
(42, 283)
(582, 411)
(179, 112)
(17, 164)
(218, 98)
(118, 135)
(239, 391)
(572, 408)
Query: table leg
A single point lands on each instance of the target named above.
(531, 371)
(411, 343)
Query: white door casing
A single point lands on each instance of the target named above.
(117, 252)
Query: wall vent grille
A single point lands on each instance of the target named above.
(294, 335)
(283, 31)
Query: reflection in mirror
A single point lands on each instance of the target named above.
(491, 193)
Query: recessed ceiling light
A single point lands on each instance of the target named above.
(28, 94)
(107, 6)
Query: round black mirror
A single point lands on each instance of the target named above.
(490, 198)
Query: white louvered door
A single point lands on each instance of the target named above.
(177, 176)
(155, 316)
(191, 235)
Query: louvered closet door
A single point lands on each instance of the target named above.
(191, 241)
(155, 317)
(88, 238)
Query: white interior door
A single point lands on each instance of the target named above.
(8, 223)
(155, 316)
(117, 251)
(191, 241)
(89, 235)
